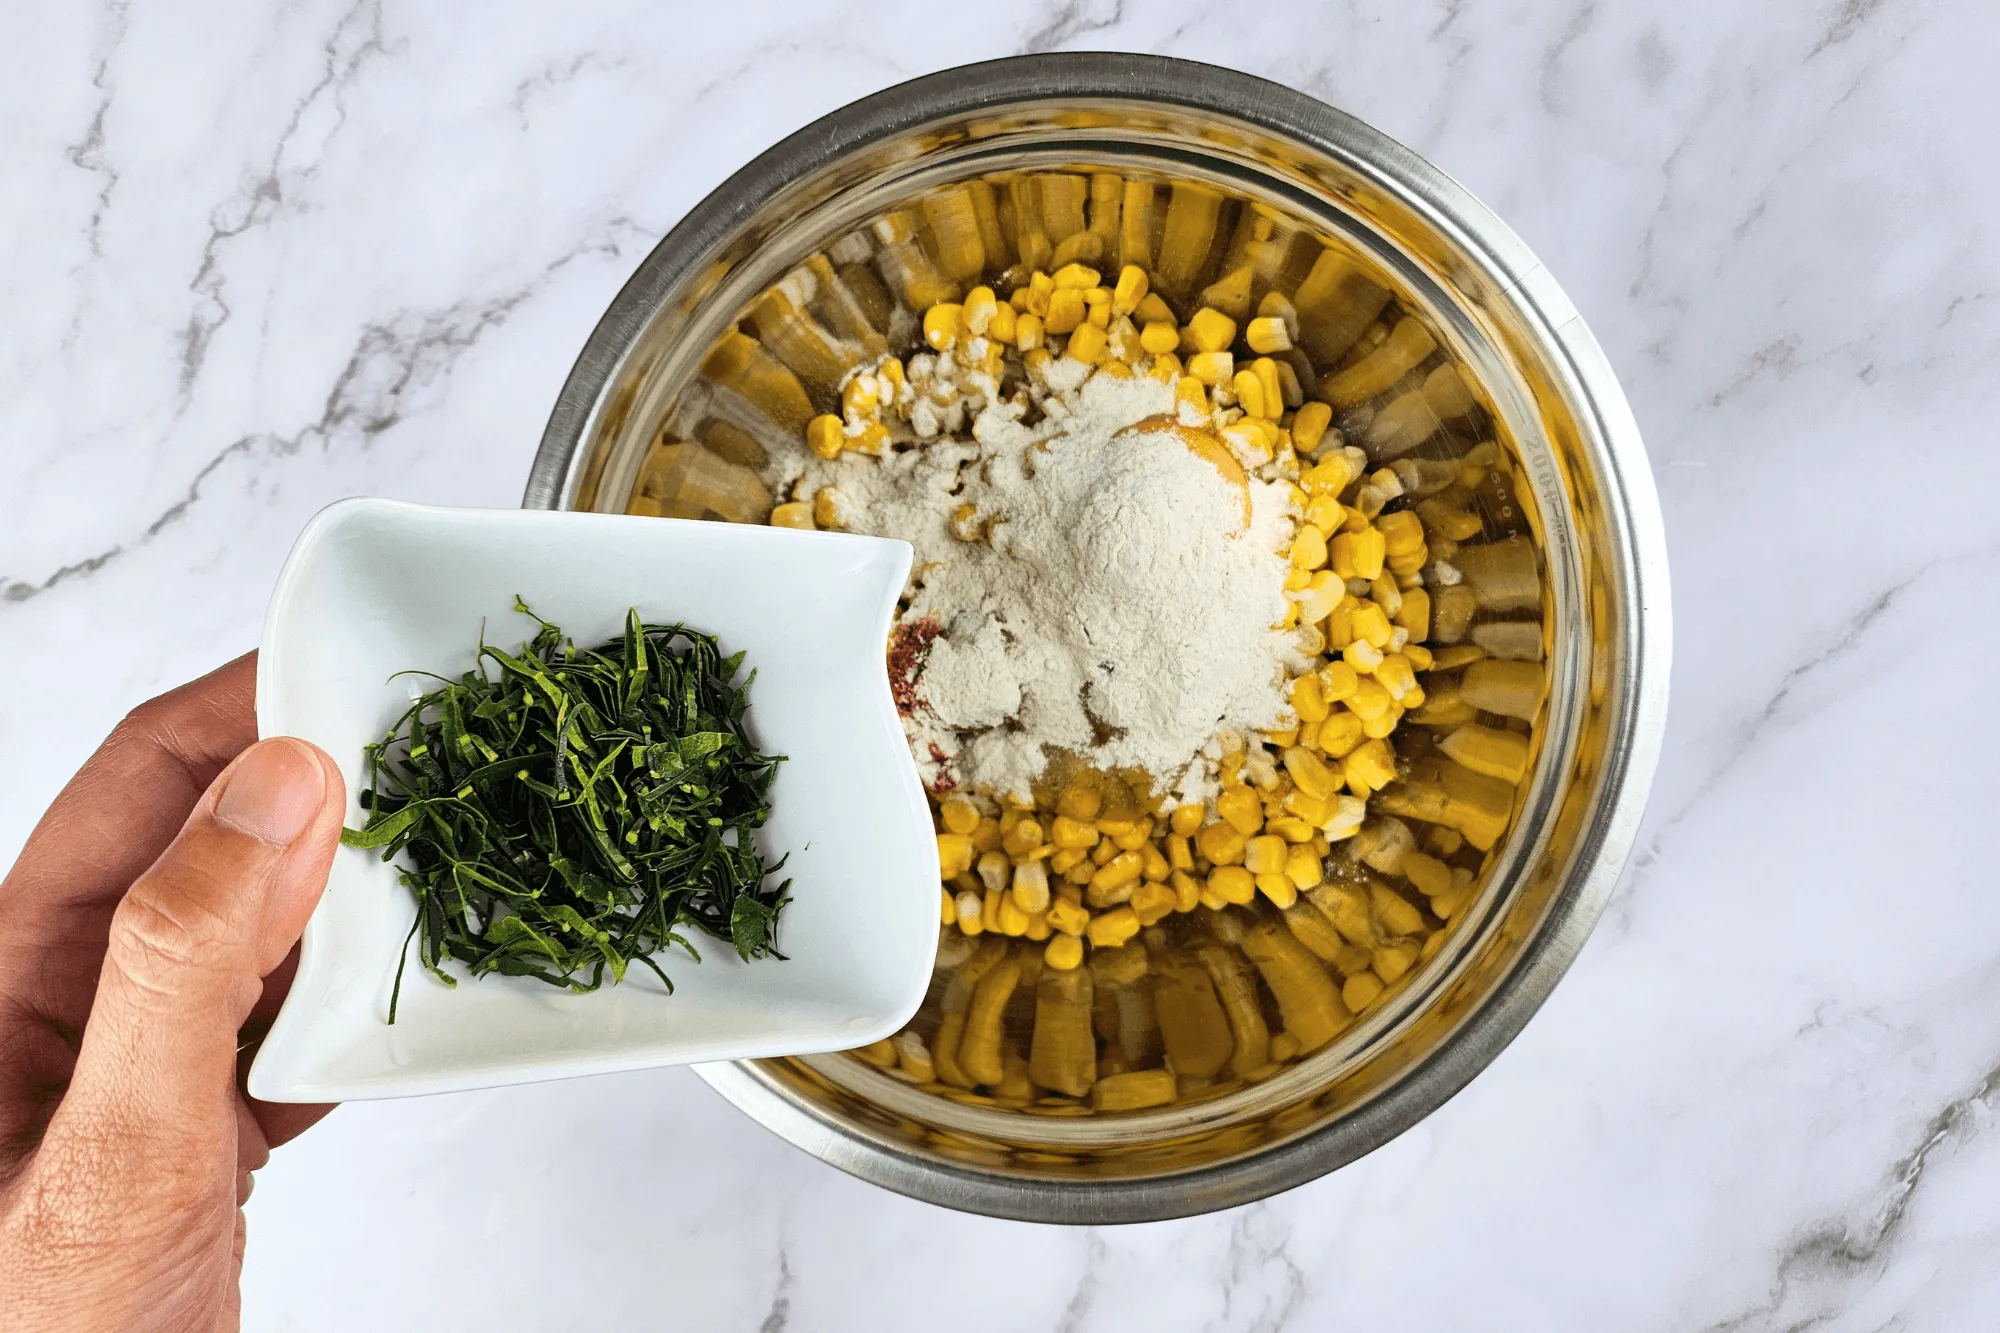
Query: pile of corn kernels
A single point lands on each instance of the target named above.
(1315, 818)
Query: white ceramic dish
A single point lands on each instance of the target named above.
(374, 587)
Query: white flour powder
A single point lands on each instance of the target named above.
(1118, 606)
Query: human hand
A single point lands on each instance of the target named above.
(146, 938)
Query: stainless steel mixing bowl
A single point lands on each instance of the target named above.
(1549, 394)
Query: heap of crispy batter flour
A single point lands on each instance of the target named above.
(1116, 605)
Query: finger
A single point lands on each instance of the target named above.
(281, 1122)
(229, 1319)
(188, 949)
(112, 821)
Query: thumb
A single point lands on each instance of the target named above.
(189, 947)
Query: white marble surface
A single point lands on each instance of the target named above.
(258, 256)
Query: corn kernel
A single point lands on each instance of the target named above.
(1278, 889)
(1370, 700)
(1108, 930)
(1210, 330)
(1402, 532)
(1308, 701)
(1321, 596)
(1241, 809)
(1268, 335)
(947, 907)
(1130, 291)
(1158, 867)
(1308, 548)
(1189, 395)
(1012, 920)
(796, 514)
(1121, 871)
(1151, 901)
(1166, 368)
(1250, 445)
(1186, 819)
(1303, 868)
(1076, 276)
(1371, 764)
(1369, 624)
(1338, 681)
(1358, 555)
(978, 307)
(1180, 852)
(1187, 891)
(1329, 476)
(993, 871)
(1324, 513)
(1361, 990)
(859, 397)
(1309, 426)
(1022, 838)
(825, 435)
(1066, 311)
(1031, 886)
(1003, 326)
(1249, 392)
(1396, 675)
(1064, 953)
(1265, 855)
(1312, 810)
(1152, 310)
(1222, 844)
(1159, 338)
(1129, 835)
(1064, 858)
(1087, 344)
(1489, 751)
(1391, 961)
(958, 815)
(1309, 772)
(1066, 832)
(1345, 822)
(1362, 655)
(970, 911)
(943, 323)
(1233, 884)
(1079, 803)
(1430, 875)
(1029, 333)
(1381, 728)
(1212, 368)
(1103, 851)
(1070, 918)
(1339, 734)
(1273, 388)
(1290, 827)
(869, 439)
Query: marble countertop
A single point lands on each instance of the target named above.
(262, 256)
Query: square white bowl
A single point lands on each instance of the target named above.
(376, 587)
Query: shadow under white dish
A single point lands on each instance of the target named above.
(377, 587)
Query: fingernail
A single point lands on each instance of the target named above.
(275, 791)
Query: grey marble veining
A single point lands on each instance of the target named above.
(261, 256)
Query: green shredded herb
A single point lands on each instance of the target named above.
(565, 815)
